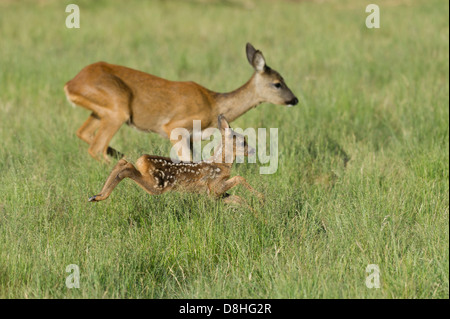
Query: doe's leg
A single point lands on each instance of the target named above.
(87, 133)
(110, 105)
(87, 130)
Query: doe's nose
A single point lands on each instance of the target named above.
(293, 102)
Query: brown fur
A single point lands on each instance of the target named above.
(116, 95)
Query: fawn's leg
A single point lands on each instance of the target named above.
(234, 181)
(234, 199)
(119, 172)
(239, 201)
(122, 170)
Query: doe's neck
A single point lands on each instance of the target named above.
(233, 104)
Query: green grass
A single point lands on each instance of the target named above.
(363, 173)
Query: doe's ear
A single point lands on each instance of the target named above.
(255, 58)
(250, 50)
(223, 123)
(259, 62)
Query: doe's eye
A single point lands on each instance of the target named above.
(277, 85)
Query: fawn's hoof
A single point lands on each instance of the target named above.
(92, 198)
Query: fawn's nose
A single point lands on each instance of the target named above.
(292, 102)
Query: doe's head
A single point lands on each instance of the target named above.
(270, 85)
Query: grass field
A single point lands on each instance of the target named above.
(363, 174)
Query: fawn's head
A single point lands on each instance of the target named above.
(233, 143)
(270, 85)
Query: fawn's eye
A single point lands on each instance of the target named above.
(277, 85)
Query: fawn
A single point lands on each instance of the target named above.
(157, 175)
(116, 95)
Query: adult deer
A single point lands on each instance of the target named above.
(157, 175)
(118, 95)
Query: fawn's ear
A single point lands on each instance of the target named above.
(223, 123)
(255, 58)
